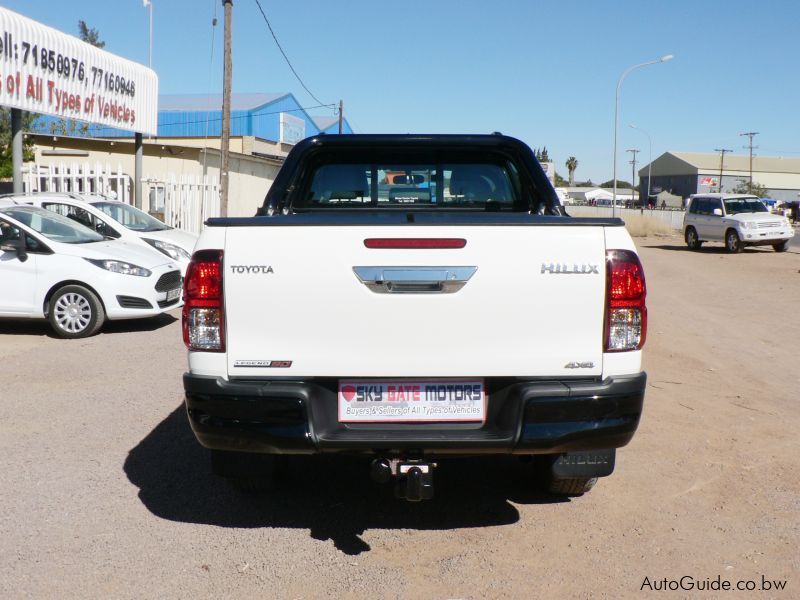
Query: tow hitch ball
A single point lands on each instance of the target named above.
(413, 478)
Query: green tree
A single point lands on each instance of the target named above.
(544, 156)
(756, 189)
(90, 35)
(559, 180)
(620, 184)
(28, 124)
(572, 164)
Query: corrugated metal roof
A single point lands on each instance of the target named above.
(324, 122)
(214, 101)
(709, 161)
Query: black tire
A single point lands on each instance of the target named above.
(692, 241)
(571, 487)
(732, 242)
(247, 472)
(782, 246)
(75, 312)
(575, 486)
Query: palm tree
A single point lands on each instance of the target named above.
(572, 164)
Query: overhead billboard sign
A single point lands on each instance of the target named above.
(293, 129)
(45, 71)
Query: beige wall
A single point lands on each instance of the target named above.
(250, 176)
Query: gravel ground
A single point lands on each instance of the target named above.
(105, 493)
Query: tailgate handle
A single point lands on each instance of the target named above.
(414, 280)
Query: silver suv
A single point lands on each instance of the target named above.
(737, 220)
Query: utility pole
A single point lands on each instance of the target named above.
(16, 149)
(722, 152)
(227, 74)
(633, 173)
(341, 107)
(750, 134)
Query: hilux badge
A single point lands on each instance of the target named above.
(565, 269)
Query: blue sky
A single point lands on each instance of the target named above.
(541, 71)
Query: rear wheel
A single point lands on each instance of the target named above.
(692, 240)
(572, 486)
(75, 312)
(732, 242)
(782, 246)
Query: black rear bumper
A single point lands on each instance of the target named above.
(524, 417)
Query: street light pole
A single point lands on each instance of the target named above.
(664, 58)
(649, 166)
(149, 4)
(634, 151)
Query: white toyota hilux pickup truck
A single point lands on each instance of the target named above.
(413, 297)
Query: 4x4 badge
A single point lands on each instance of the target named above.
(579, 365)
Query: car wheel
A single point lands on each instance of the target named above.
(782, 246)
(732, 242)
(75, 312)
(691, 239)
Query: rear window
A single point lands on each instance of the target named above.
(477, 186)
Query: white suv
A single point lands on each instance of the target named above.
(737, 220)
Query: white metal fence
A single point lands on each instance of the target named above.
(184, 201)
(77, 178)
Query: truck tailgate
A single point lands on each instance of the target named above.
(533, 306)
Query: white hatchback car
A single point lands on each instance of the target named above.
(54, 268)
(737, 220)
(118, 220)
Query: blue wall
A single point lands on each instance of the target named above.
(261, 121)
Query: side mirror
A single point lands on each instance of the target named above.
(717, 212)
(17, 247)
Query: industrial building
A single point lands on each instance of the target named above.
(686, 173)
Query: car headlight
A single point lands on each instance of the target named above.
(746, 225)
(118, 266)
(171, 250)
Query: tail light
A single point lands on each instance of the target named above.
(626, 313)
(203, 308)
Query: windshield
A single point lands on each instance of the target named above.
(52, 225)
(445, 186)
(130, 217)
(744, 205)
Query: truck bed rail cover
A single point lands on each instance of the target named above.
(420, 218)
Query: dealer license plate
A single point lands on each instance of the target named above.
(172, 294)
(404, 401)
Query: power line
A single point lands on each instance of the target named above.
(288, 62)
(210, 67)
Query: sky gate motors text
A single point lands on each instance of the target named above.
(442, 392)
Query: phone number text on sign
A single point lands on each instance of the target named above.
(45, 71)
(418, 401)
